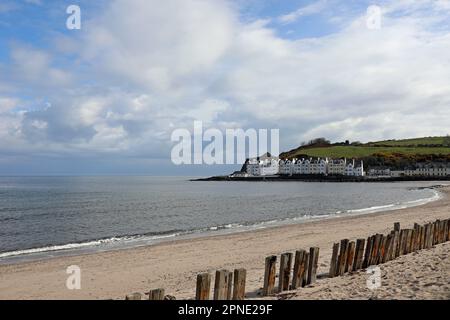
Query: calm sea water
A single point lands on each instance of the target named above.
(47, 216)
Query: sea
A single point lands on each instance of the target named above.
(44, 217)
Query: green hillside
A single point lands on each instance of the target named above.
(395, 153)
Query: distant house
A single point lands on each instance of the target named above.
(354, 170)
(263, 166)
(428, 170)
(337, 166)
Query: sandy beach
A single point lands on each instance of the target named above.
(174, 265)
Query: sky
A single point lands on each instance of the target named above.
(105, 99)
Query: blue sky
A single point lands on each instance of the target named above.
(105, 99)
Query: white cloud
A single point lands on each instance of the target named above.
(310, 9)
(147, 67)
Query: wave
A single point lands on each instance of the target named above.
(145, 239)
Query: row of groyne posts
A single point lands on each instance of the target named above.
(347, 256)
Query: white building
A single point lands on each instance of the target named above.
(263, 166)
(286, 167)
(354, 170)
(337, 166)
(266, 166)
(428, 170)
(379, 172)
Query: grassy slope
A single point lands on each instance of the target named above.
(366, 150)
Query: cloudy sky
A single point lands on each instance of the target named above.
(105, 99)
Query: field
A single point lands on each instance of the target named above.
(362, 151)
(437, 146)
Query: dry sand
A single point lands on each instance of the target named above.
(174, 265)
(420, 275)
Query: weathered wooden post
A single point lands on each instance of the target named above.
(300, 268)
(436, 232)
(403, 241)
(313, 264)
(334, 260)
(134, 296)
(422, 237)
(410, 240)
(397, 226)
(269, 275)
(221, 285)
(285, 271)
(368, 252)
(381, 249)
(350, 256)
(395, 245)
(431, 235)
(156, 294)
(448, 230)
(359, 254)
(387, 254)
(376, 248)
(343, 254)
(239, 284)
(203, 287)
(306, 273)
(229, 282)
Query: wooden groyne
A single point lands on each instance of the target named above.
(299, 269)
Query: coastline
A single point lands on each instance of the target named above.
(175, 264)
(129, 242)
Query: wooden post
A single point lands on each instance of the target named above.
(431, 240)
(313, 264)
(229, 283)
(368, 251)
(334, 260)
(203, 288)
(410, 240)
(388, 248)
(422, 237)
(416, 237)
(239, 284)
(436, 232)
(381, 249)
(134, 296)
(375, 249)
(359, 254)
(343, 254)
(350, 256)
(403, 241)
(285, 271)
(269, 275)
(156, 294)
(448, 230)
(221, 285)
(300, 267)
(395, 241)
(306, 273)
(443, 231)
(397, 226)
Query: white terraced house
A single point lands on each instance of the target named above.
(286, 167)
(429, 170)
(263, 167)
(353, 170)
(266, 166)
(337, 166)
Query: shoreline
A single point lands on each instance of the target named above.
(322, 178)
(116, 243)
(175, 264)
